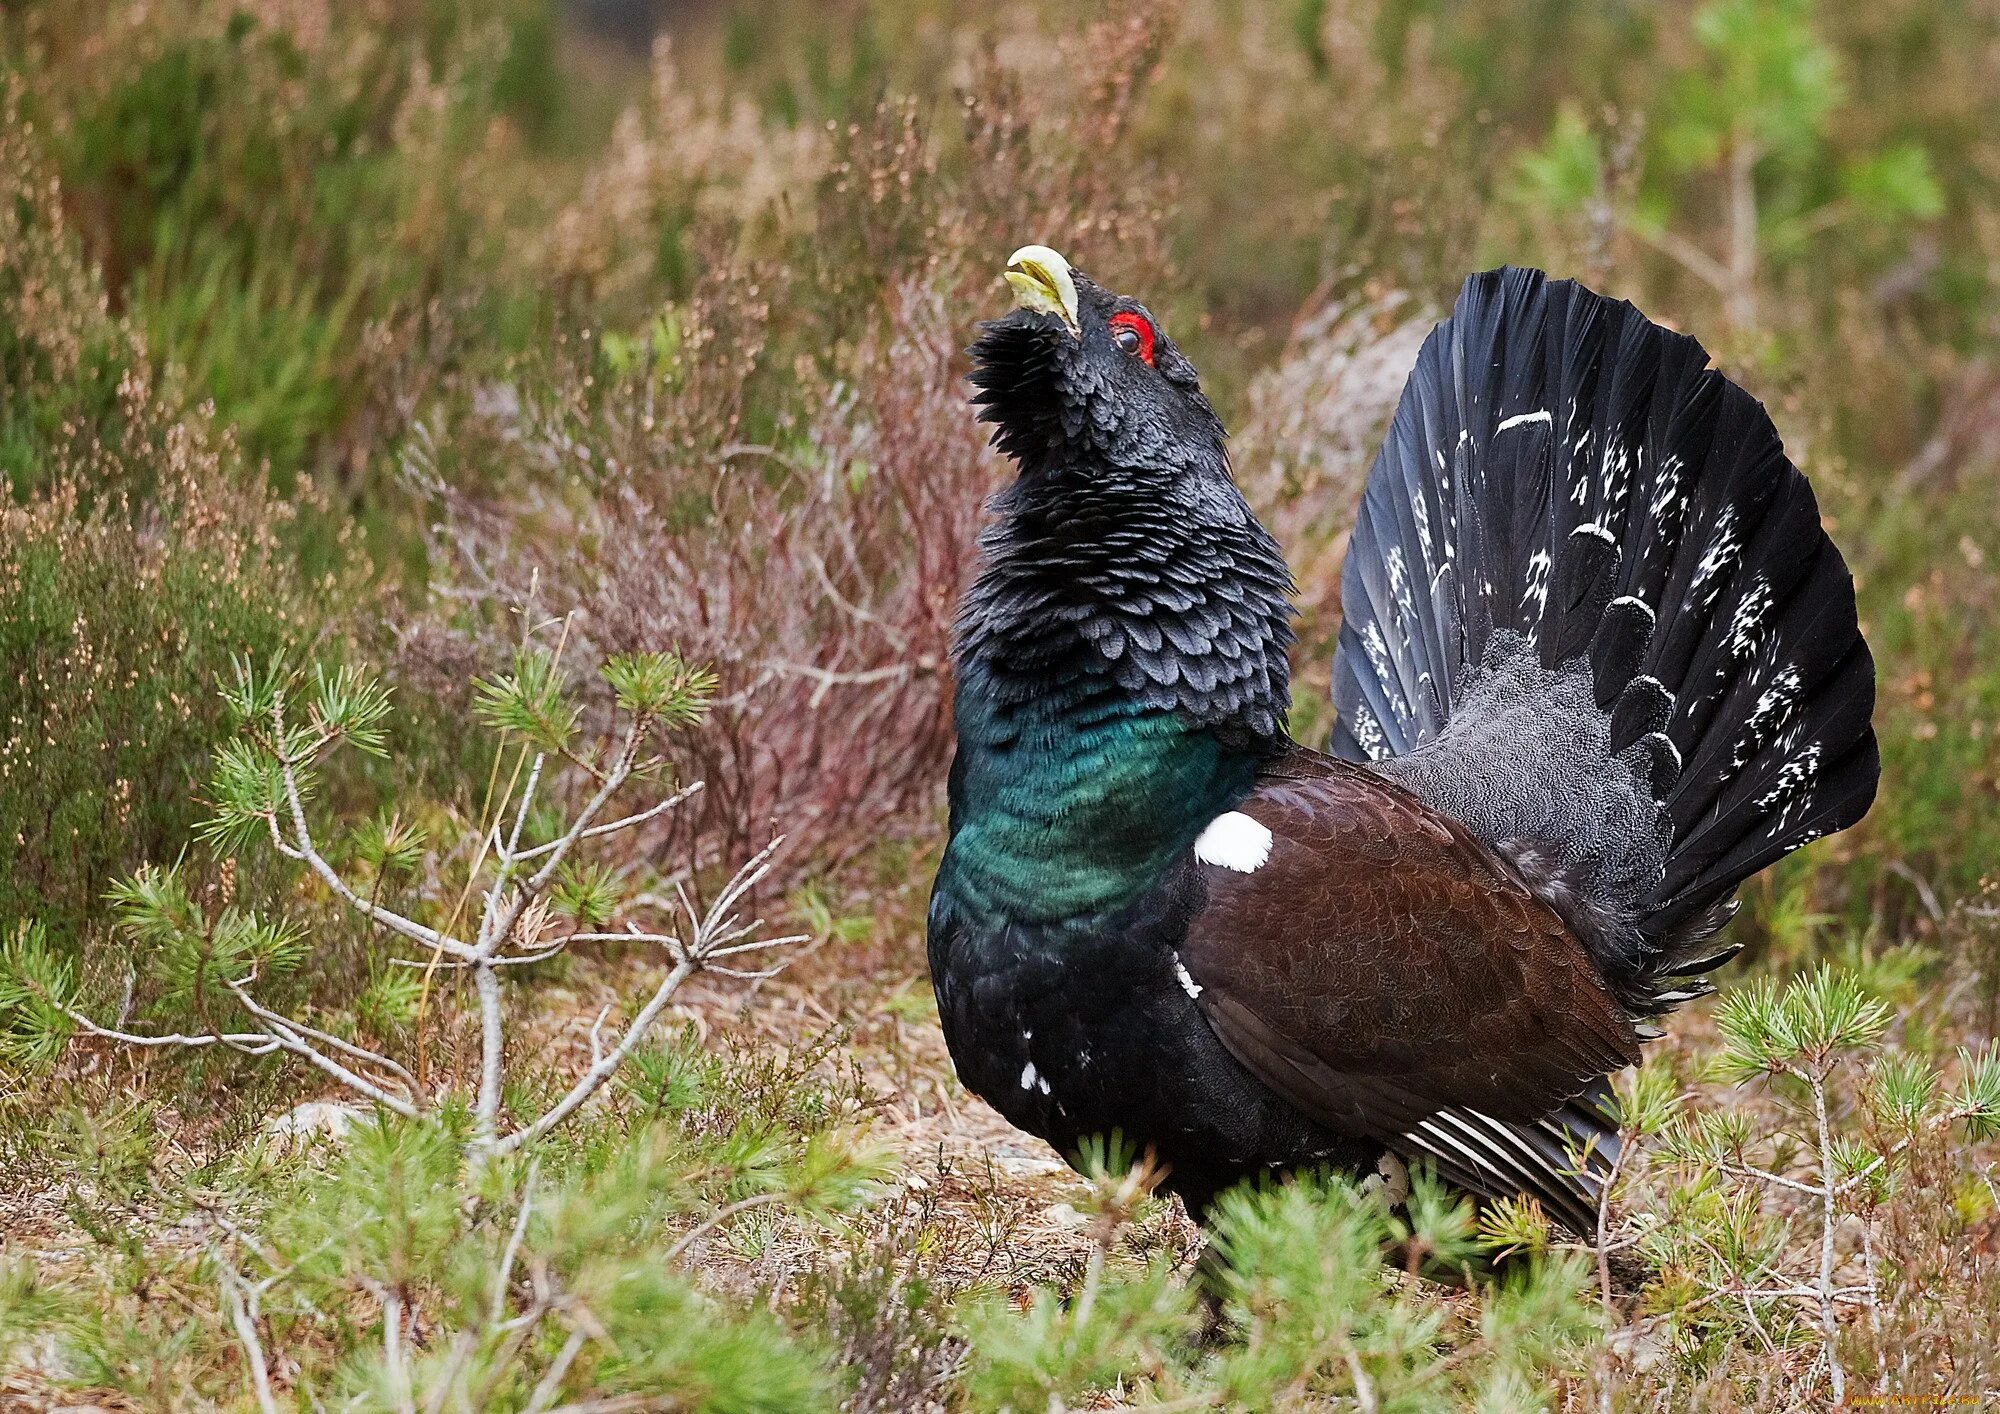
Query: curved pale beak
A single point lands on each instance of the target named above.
(1042, 282)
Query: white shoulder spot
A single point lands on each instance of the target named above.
(1234, 841)
(1188, 984)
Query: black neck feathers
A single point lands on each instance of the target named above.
(1098, 578)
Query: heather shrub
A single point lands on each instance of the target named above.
(133, 564)
(110, 638)
(817, 576)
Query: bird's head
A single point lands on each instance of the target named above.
(1079, 379)
(1123, 554)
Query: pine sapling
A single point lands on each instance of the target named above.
(1805, 1040)
(535, 896)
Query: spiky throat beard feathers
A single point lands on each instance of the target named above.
(1179, 603)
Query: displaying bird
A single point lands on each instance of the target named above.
(1599, 664)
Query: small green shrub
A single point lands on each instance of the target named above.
(1311, 1309)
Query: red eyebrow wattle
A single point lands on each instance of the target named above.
(1140, 325)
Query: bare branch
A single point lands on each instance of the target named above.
(505, 852)
(717, 1219)
(1604, 1226)
(1736, 1170)
(388, 918)
(826, 679)
(486, 1110)
(714, 926)
(493, 934)
(759, 946)
(612, 828)
(284, 1032)
(1829, 1216)
(550, 1385)
(1925, 893)
(1686, 253)
(597, 1034)
(497, 1305)
(256, 1043)
(348, 1048)
(621, 771)
(393, 1359)
(629, 936)
(603, 1068)
(242, 1302)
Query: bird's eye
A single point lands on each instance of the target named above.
(1133, 335)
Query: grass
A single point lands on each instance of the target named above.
(413, 334)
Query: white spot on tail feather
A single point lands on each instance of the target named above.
(1385, 672)
(1617, 474)
(1399, 581)
(1717, 561)
(1234, 841)
(1028, 1076)
(1794, 779)
(1667, 488)
(1536, 595)
(1368, 734)
(1651, 617)
(1772, 712)
(1522, 419)
(1747, 625)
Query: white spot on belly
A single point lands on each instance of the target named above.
(1188, 984)
(1521, 419)
(1390, 1181)
(1234, 841)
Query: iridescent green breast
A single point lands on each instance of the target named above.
(1063, 810)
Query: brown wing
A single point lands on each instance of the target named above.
(1382, 966)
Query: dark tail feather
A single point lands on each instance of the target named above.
(1569, 487)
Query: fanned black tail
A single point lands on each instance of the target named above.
(1568, 481)
(1590, 610)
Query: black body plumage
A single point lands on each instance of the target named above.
(1599, 664)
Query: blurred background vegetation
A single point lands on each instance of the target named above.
(338, 321)
(360, 330)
